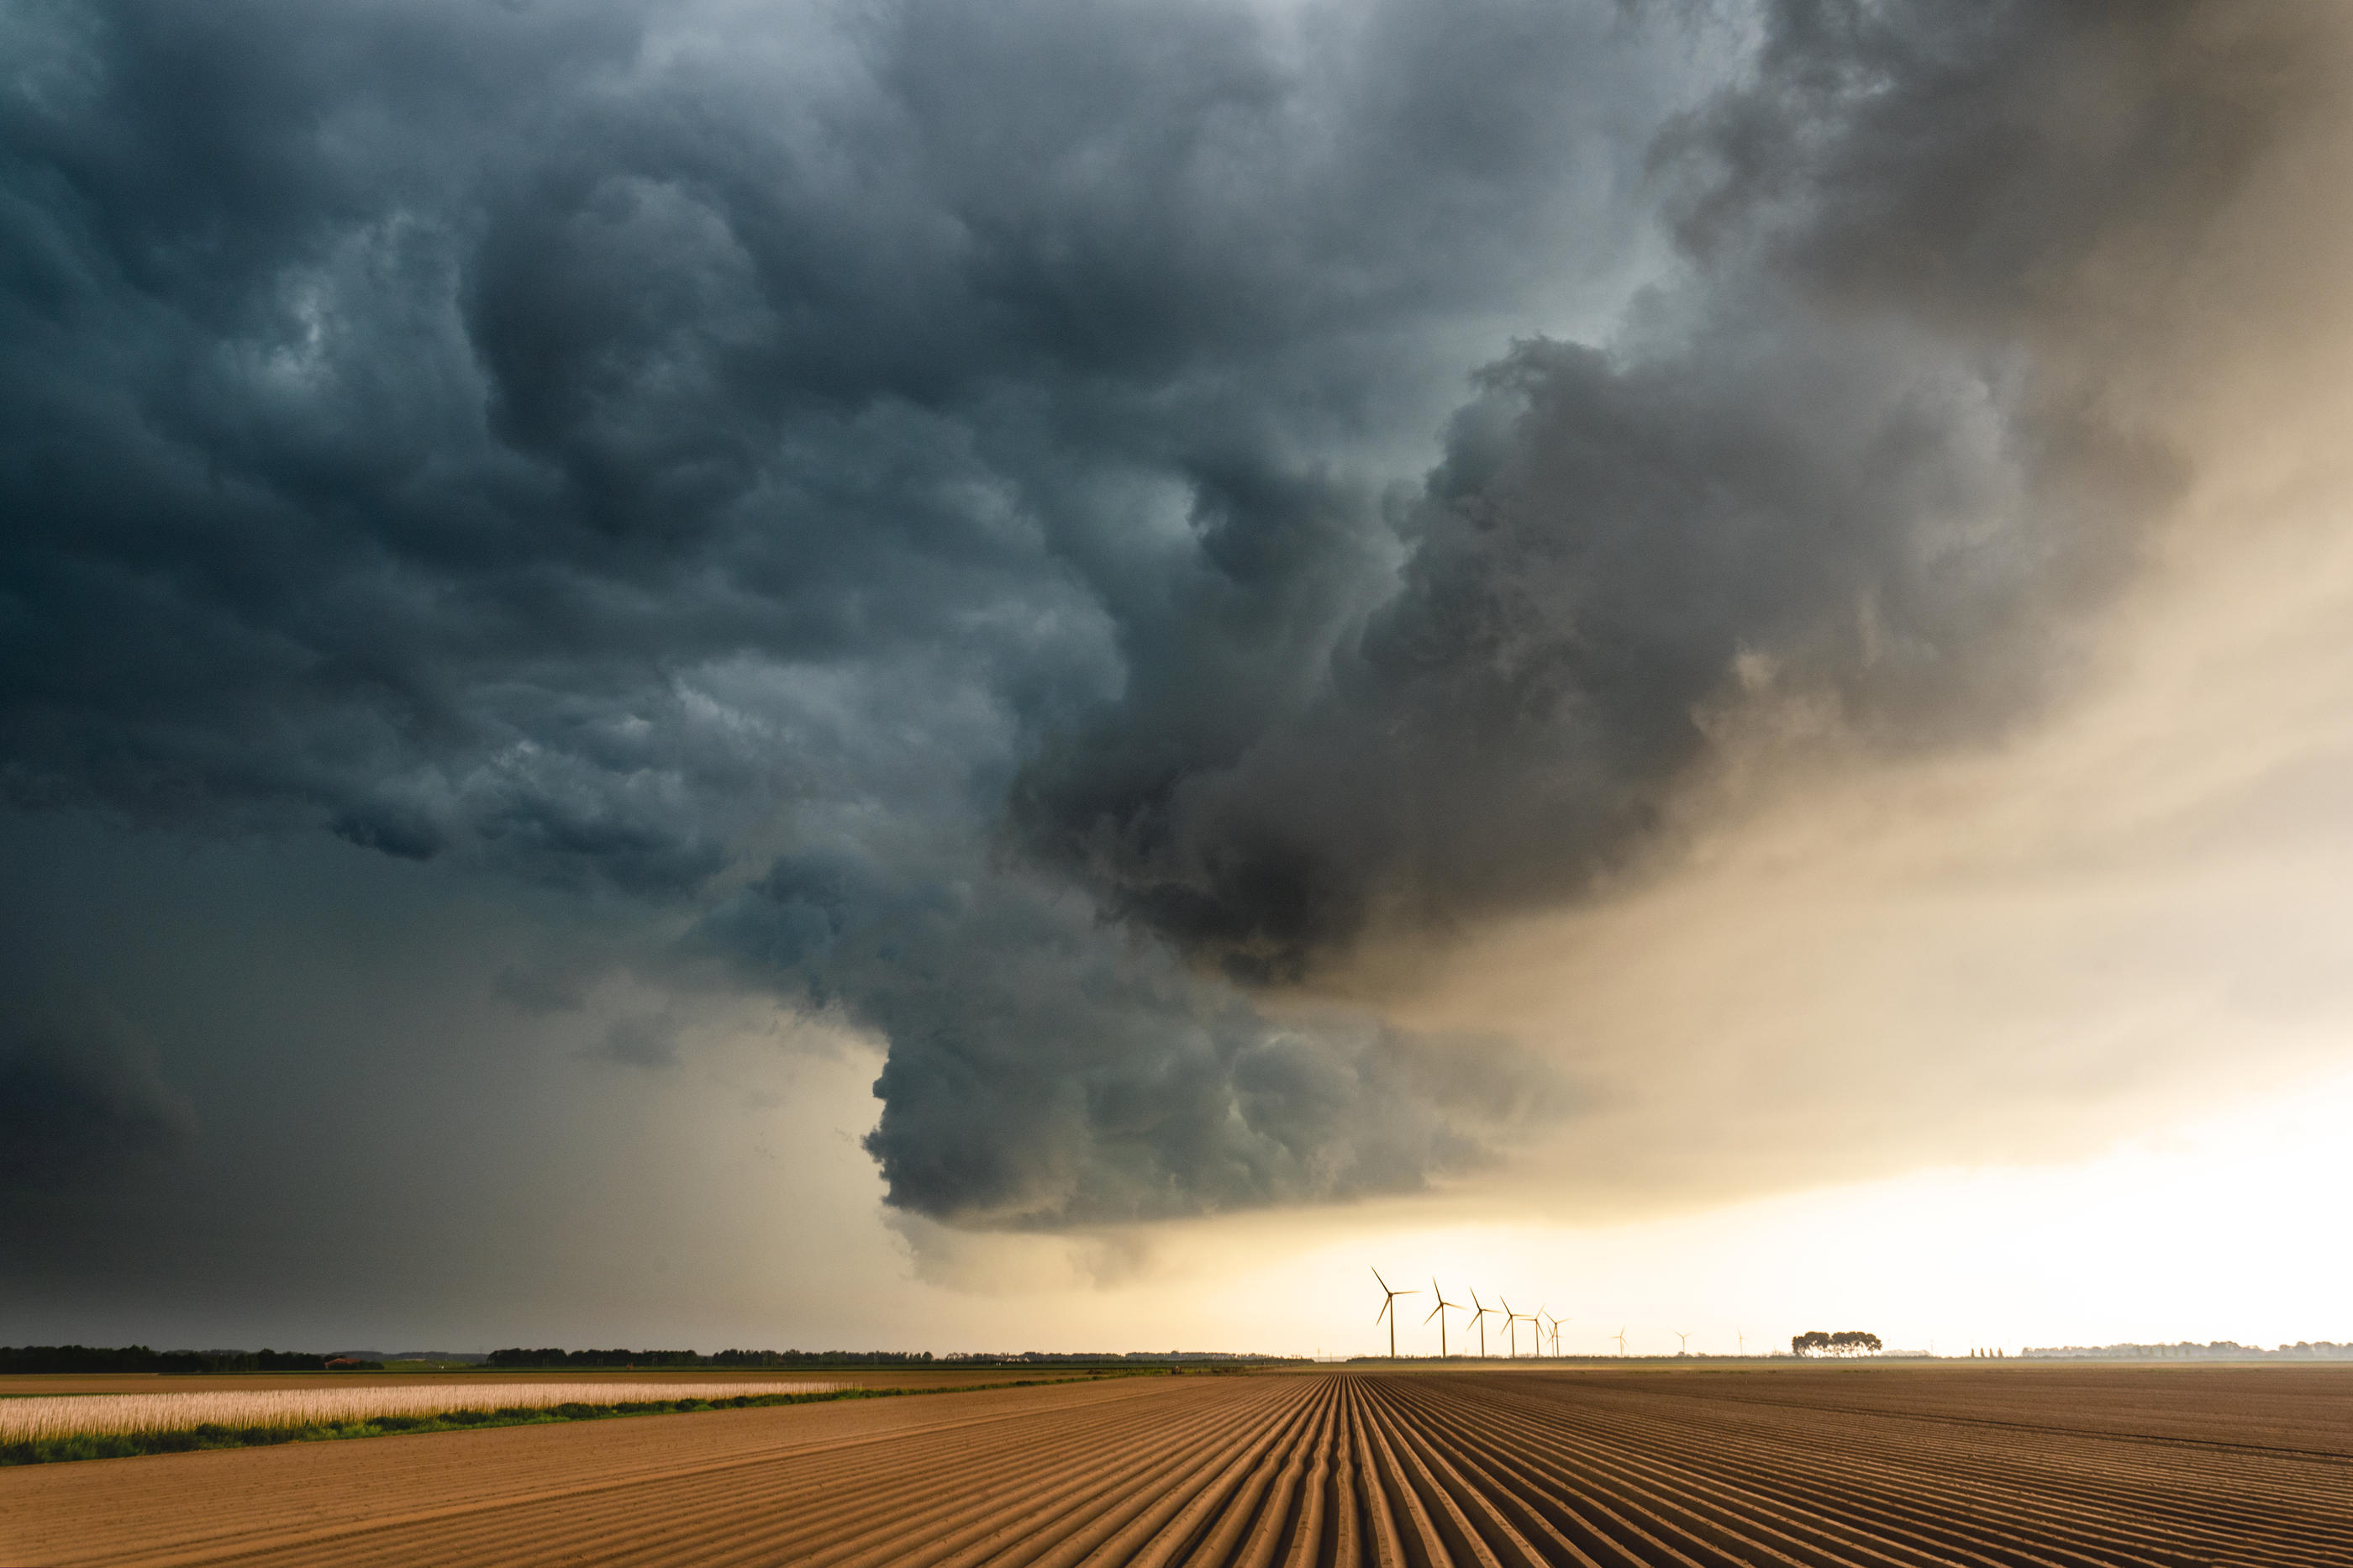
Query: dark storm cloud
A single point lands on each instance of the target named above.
(720, 459)
(1610, 551)
(1858, 459)
(406, 406)
(611, 446)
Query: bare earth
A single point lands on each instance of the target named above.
(2065, 1465)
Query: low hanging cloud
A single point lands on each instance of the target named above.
(1043, 1072)
(939, 502)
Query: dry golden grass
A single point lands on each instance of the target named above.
(21, 1384)
(67, 1415)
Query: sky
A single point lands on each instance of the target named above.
(888, 674)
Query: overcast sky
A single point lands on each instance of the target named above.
(1044, 674)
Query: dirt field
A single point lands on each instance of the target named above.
(2069, 1466)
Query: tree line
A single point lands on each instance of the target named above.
(551, 1358)
(138, 1358)
(1846, 1342)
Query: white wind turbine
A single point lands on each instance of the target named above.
(1485, 1312)
(1439, 1313)
(1388, 1309)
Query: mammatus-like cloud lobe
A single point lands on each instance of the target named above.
(1041, 1075)
(938, 503)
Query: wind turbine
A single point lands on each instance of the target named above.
(1439, 1313)
(1621, 1337)
(1686, 1339)
(1485, 1312)
(1511, 1325)
(1557, 1322)
(1535, 1327)
(1744, 1341)
(1388, 1305)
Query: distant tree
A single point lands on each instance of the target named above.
(138, 1358)
(549, 1357)
(1809, 1343)
(1851, 1341)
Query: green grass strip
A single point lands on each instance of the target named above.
(132, 1445)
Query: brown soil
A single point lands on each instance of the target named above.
(2074, 1465)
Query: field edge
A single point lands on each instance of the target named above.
(207, 1438)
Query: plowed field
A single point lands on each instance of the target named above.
(2074, 1466)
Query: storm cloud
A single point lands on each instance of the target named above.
(989, 520)
(1861, 457)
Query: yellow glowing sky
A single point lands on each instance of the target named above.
(2220, 1225)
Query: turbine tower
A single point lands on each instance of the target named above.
(1686, 1339)
(1485, 1312)
(1439, 1313)
(1554, 1329)
(1511, 1325)
(1388, 1309)
(1621, 1337)
(1744, 1340)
